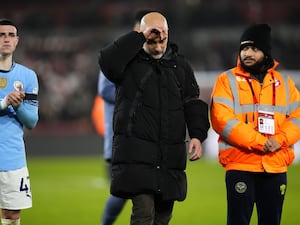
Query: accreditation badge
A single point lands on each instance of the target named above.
(266, 123)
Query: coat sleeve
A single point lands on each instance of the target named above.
(27, 111)
(230, 126)
(28, 114)
(196, 110)
(106, 89)
(114, 58)
(289, 132)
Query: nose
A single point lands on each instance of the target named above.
(250, 50)
(158, 47)
(6, 38)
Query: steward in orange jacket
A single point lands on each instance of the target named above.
(255, 110)
(237, 100)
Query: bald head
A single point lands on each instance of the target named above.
(154, 26)
(153, 19)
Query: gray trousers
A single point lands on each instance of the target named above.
(148, 209)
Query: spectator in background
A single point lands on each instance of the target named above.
(97, 114)
(255, 110)
(106, 89)
(156, 97)
(18, 109)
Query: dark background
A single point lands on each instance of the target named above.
(60, 40)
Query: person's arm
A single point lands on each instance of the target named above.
(27, 113)
(106, 89)
(26, 107)
(289, 131)
(114, 58)
(227, 124)
(196, 114)
(195, 109)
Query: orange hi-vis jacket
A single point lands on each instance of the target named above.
(236, 100)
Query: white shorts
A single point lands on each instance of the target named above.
(15, 190)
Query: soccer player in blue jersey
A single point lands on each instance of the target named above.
(18, 109)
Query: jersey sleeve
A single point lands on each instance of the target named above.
(27, 112)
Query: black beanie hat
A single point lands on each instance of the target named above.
(259, 36)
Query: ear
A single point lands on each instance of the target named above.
(17, 40)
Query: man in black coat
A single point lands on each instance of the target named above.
(157, 98)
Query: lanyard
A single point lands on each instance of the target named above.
(273, 90)
(255, 101)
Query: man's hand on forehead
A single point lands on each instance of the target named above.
(151, 33)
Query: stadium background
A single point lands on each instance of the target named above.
(60, 40)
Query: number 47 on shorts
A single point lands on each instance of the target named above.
(24, 186)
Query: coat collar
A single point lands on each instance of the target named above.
(169, 56)
(239, 70)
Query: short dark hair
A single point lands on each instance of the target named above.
(4, 21)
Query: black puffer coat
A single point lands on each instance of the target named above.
(155, 101)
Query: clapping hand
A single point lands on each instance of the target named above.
(16, 97)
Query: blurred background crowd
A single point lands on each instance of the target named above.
(60, 40)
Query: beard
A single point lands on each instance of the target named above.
(259, 67)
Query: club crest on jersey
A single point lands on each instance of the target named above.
(3, 82)
(18, 85)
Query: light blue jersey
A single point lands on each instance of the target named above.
(12, 121)
(106, 90)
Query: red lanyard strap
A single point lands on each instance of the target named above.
(255, 101)
(273, 91)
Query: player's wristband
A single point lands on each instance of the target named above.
(3, 103)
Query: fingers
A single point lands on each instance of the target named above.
(155, 32)
(15, 98)
(271, 145)
(194, 157)
(195, 150)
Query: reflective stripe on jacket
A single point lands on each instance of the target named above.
(234, 116)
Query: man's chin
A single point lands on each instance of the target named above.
(157, 56)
